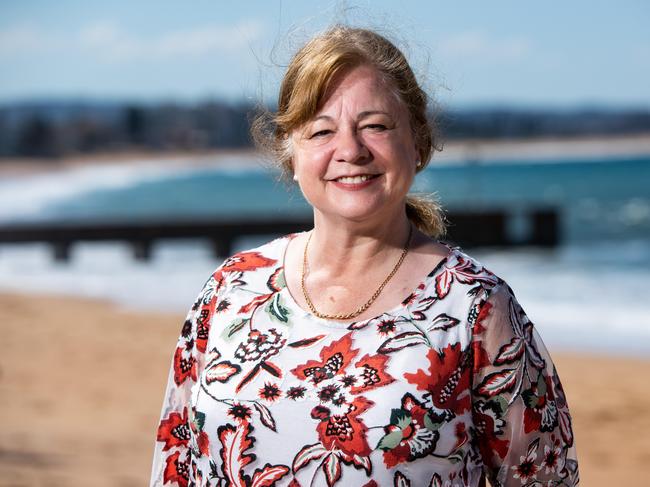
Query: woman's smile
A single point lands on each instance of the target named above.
(354, 183)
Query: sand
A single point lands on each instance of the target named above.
(82, 382)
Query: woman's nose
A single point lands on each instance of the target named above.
(350, 147)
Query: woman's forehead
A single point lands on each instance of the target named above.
(361, 90)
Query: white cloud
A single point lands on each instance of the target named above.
(109, 41)
(20, 40)
(117, 45)
(478, 46)
(210, 39)
(99, 34)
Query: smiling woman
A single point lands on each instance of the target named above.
(313, 75)
(355, 161)
(366, 351)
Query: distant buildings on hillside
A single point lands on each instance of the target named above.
(61, 128)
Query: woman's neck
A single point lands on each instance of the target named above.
(339, 249)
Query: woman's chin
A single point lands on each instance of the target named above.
(369, 205)
(359, 213)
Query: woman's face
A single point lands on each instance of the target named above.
(356, 159)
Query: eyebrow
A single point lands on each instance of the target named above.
(362, 115)
(372, 112)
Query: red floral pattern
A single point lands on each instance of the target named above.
(447, 379)
(452, 386)
(174, 430)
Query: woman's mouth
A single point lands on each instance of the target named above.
(355, 182)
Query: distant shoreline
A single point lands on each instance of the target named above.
(474, 150)
(16, 167)
(545, 148)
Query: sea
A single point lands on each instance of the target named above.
(589, 294)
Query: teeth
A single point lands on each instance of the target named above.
(354, 179)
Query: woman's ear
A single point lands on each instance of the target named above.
(292, 166)
(418, 155)
(416, 148)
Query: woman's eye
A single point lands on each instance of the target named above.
(376, 127)
(320, 133)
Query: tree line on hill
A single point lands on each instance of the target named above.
(62, 128)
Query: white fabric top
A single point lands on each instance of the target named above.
(451, 385)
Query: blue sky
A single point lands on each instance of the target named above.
(559, 53)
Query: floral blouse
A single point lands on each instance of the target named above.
(449, 388)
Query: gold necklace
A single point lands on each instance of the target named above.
(372, 299)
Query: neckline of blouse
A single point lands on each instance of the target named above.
(400, 308)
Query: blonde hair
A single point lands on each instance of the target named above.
(305, 84)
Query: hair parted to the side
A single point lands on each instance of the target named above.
(306, 81)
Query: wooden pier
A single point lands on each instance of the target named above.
(466, 228)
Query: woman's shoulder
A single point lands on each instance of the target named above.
(462, 271)
(269, 255)
(493, 302)
(265, 255)
(257, 264)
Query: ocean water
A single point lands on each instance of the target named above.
(587, 294)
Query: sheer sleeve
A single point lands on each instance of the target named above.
(522, 421)
(173, 448)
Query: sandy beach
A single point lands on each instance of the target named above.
(82, 384)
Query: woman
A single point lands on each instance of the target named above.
(364, 352)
